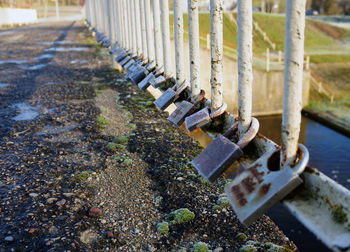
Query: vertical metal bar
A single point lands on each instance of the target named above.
(245, 67)
(193, 27)
(130, 28)
(57, 10)
(143, 29)
(121, 11)
(150, 45)
(133, 26)
(293, 80)
(113, 22)
(138, 27)
(216, 49)
(179, 43)
(157, 37)
(109, 20)
(166, 37)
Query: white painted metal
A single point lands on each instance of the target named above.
(138, 27)
(124, 19)
(166, 37)
(129, 29)
(245, 64)
(133, 26)
(179, 43)
(193, 28)
(216, 33)
(150, 45)
(293, 79)
(157, 36)
(57, 10)
(143, 29)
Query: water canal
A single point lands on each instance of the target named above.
(329, 153)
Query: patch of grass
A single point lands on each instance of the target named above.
(84, 82)
(128, 116)
(200, 247)
(82, 176)
(90, 42)
(103, 110)
(163, 228)
(98, 91)
(330, 58)
(102, 120)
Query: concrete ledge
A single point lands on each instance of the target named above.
(9, 16)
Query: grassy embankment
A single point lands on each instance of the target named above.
(323, 43)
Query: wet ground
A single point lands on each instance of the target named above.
(87, 163)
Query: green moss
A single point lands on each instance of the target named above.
(203, 181)
(248, 248)
(338, 214)
(98, 91)
(114, 146)
(123, 107)
(128, 116)
(102, 120)
(127, 161)
(241, 237)
(132, 126)
(223, 202)
(181, 216)
(103, 110)
(121, 139)
(82, 176)
(140, 107)
(163, 227)
(217, 208)
(84, 82)
(200, 247)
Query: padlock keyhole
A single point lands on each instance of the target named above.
(273, 164)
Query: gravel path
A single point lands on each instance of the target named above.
(87, 163)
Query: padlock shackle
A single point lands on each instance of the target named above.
(231, 131)
(219, 111)
(200, 97)
(249, 135)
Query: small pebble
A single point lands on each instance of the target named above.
(9, 238)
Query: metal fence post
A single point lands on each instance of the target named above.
(193, 27)
(137, 27)
(179, 43)
(267, 59)
(157, 37)
(166, 37)
(245, 67)
(216, 32)
(143, 29)
(150, 44)
(293, 79)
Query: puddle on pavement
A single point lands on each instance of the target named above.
(79, 61)
(44, 56)
(2, 85)
(66, 49)
(11, 61)
(35, 67)
(55, 130)
(26, 112)
(55, 42)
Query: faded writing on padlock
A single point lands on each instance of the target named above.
(255, 190)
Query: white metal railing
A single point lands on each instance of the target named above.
(132, 29)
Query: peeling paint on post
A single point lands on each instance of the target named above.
(137, 28)
(245, 67)
(179, 42)
(157, 37)
(193, 27)
(166, 37)
(293, 74)
(150, 45)
(143, 29)
(216, 49)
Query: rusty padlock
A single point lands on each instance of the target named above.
(221, 153)
(203, 117)
(255, 190)
(185, 108)
(170, 95)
